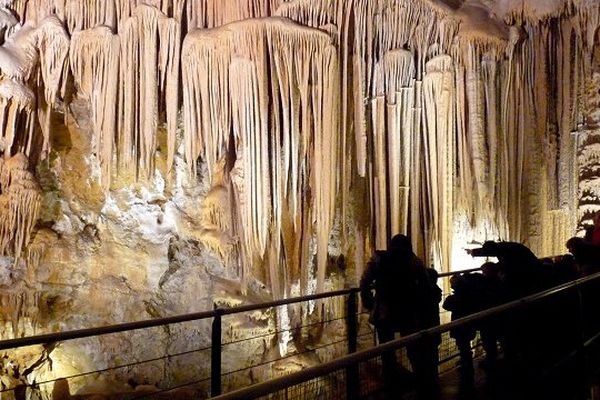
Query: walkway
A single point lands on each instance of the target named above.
(555, 330)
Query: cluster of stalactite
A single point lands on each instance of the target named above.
(21, 311)
(282, 133)
(389, 116)
(145, 56)
(20, 199)
(32, 62)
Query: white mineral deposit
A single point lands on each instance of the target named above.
(158, 157)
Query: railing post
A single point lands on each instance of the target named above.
(215, 354)
(352, 322)
(580, 355)
(352, 384)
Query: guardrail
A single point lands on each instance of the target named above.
(340, 368)
(351, 321)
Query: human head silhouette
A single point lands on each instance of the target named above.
(400, 243)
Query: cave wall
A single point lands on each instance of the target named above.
(162, 156)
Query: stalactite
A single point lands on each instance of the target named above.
(19, 307)
(20, 201)
(170, 8)
(16, 115)
(215, 13)
(8, 24)
(438, 141)
(307, 153)
(94, 62)
(87, 14)
(566, 120)
(207, 117)
(149, 71)
(433, 111)
(31, 54)
(394, 79)
(52, 44)
(476, 127)
(313, 13)
(34, 255)
(382, 28)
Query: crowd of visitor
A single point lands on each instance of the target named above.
(403, 297)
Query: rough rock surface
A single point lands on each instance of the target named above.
(149, 168)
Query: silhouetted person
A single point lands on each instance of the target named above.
(463, 301)
(519, 272)
(586, 254)
(592, 233)
(428, 352)
(406, 301)
(489, 327)
(518, 267)
(587, 257)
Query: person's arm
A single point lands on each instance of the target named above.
(366, 286)
(450, 303)
(589, 233)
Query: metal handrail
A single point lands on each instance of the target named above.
(152, 323)
(102, 330)
(271, 386)
(283, 302)
(216, 331)
(452, 273)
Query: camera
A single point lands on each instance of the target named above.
(488, 249)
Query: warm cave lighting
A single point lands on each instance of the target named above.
(168, 157)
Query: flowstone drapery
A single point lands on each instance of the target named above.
(283, 133)
(424, 115)
(20, 200)
(242, 150)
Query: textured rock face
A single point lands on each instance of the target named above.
(589, 148)
(158, 157)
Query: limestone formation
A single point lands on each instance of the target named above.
(159, 156)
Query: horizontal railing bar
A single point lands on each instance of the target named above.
(100, 371)
(278, 332)
(283, 302)
(452, 273)
(130, 326)
(271, 386)
(102, 330)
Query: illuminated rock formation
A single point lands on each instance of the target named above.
(234, 148)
